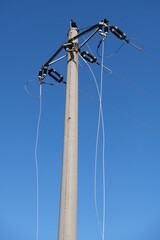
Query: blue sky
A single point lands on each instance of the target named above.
(31, 31)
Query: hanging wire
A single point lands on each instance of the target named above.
(36, 144)
(26, 88)
(81, 64)
(97, 139)
(36, 160)
(95, 177)
(89, 47)
(112, 54)
(44, 83)
(103, 139)
(129, 41)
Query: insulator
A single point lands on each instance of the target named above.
(117, 32)
(106, 30)
(56, 76)
(42, 72)
(45, 71)
(120, 31)
(86, 58)
(89, 57)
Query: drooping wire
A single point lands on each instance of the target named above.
(95, 177)
(26, 89)
(112, 54)
(35, 81)
(129, 41)
(103, 140)
(97, 140)
(36, 160)
(89, 47)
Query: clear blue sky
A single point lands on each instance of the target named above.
(31, 31)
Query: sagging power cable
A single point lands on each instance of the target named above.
(28, 92)
(37, 82)
(95, 183)
(100, 118)
(36, 160)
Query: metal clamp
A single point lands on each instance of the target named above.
(103, 28)
(55, 75)
(89, 57)
(70, 47)
(42, 72)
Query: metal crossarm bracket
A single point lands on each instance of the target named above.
(70, 41)
(55, 75)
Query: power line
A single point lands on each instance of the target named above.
(153, 58)
(122, 113)
(100, 117)
(133, 85)
(36, 160)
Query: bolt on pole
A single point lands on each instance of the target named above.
(68, 200)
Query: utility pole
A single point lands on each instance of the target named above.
(68, 200)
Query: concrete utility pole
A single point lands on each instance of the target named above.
(68, 202)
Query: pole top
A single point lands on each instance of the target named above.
(72, 24)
